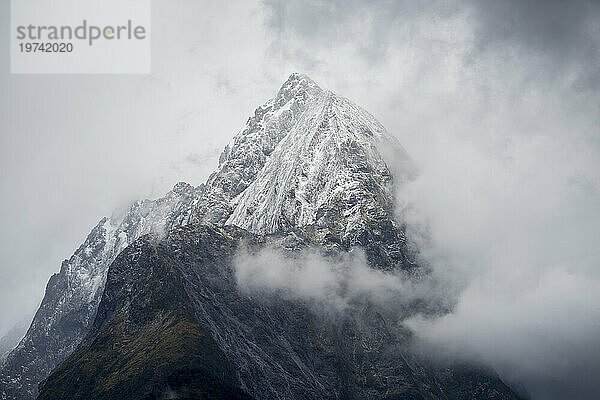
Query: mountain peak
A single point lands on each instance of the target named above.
(309, 158)
(307, 162)
(297, 78)
(298, 87)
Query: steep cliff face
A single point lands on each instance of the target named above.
(73, 294)
(280, 348)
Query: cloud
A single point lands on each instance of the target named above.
(335, 283)
(542, 332)
(519, 226)
(562, 35)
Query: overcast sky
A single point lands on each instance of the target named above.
(497, 102)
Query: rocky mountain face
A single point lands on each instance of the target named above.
(145, 341)
(279, 348)
(309, 170)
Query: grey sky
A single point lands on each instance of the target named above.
(497, 101)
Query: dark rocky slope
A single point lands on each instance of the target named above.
(146, 342)
(173, 307)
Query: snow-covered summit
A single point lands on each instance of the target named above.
(306, 157)
(246, 154)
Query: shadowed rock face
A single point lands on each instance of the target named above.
(173, 309)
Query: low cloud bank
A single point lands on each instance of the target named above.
(516, 224)
(336, 283)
